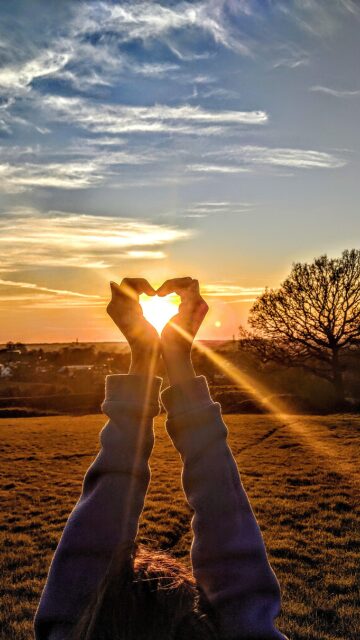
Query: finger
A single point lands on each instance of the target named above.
(141, 285)
(123, 291)
(174, 285)
(133, 287)
(192, 301)
(194, 287)
(191, 294)
(115, 288)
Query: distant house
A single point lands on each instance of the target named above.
(72, 369)
(10, 355)
(5, 372)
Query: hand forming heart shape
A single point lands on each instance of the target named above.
(177, 335)
(134, 316)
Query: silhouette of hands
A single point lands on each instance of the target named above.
(125, 310)
(178, 334)
(176, 337)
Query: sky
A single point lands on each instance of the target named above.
(216, 139)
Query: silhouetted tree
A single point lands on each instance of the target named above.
(312, 320)
(20, 346)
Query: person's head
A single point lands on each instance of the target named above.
(146, 595)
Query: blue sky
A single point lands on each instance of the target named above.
(217, 139)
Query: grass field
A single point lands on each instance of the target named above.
(304, 497)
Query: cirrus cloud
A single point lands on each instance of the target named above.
(336, 93)
(158, 118)
(274, 156)
(80, 240)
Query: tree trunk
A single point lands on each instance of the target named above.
(338, 380)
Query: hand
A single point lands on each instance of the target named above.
(125, 310)
(178, 334)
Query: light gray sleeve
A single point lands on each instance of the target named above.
(107, 513)
(228, 554)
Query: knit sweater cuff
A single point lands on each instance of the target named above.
(133, 392)
(191, 395)
(194, 421)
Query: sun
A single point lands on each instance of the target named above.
(157, 310)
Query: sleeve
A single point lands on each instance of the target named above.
(108, 510)
(228, 555)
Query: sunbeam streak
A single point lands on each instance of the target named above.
(279, 410)
(141, 435)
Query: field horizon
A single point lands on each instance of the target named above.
(303, 492)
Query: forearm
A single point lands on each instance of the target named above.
(228, 553)
(107, 513)
(179, 366)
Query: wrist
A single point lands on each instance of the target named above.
(179, 367)
(144, 363)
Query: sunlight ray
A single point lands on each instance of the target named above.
(278, 409)
(141, 435)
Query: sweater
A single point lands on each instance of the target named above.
(228, 555)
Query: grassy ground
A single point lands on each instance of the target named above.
(302, 490)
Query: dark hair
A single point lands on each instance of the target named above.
(146, 595)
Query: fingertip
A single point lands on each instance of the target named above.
(141, 285)
(160, 291)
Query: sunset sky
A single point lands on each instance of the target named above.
(218, 139)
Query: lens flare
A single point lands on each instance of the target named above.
(158, 311)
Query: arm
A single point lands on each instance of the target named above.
(107, 513)
(228, 553)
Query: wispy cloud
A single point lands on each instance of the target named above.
(92, 47)
(292, 61)
(143, 21)
(205, 209)
(351, 6)
(318, 18)
(34, 296)
(17, 78)
(217, 168)
(81, 240)
(84, 164)
(281, 157)
(120, 119)
(297, 158)
(145, 255)
(35, 287)
(69, 175)
(231, 292)
(289, 55)
(337, 93)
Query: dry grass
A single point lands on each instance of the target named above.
(307, 511)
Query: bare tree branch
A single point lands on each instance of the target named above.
(311, 319)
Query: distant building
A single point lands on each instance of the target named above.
(10, 355)
(5, 372)
(72, 369)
